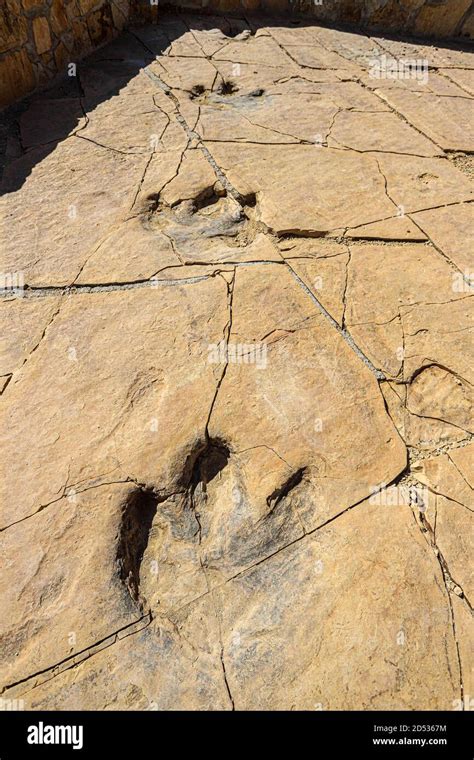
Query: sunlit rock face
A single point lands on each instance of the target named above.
(237, 374)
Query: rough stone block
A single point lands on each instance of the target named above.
(41, 34)
(120, 13)
(86, 6)
(13, 26)
(33, 5)
(81, 38)
(59, 20)
(441, 20)
(100, 25)
(61, 57)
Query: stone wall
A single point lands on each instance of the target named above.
(40, 38)
(425, 18)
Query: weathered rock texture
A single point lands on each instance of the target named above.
(432, 18)
(236, 417)
(40, 39)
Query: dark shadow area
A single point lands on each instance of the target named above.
(137, 519)
(206, 460)
(32, 128)
(281, 493)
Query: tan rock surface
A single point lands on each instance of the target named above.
(415, 183)
(463, 459)
(321, 199)
(237, 305)
(260, 50)
(77, 340)
(51, 241)
(445, 120)
(326, 277)
(450, 229)
(368, 131)
(396, 228)
(464, 78)
(444, 476)
(305, 354)
(438, 55)
(250, 618)
(450, 515)
(40, 586)
(417, 275)
(463, 622)
(23, 323)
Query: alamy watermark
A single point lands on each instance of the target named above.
(238, 353)
(41, 733)
(466, 703)
(385, 67)
(399, 495)
(463, 282)
(11, 705)
(12, 283)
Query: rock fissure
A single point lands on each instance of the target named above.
(291, 421)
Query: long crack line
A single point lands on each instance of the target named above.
(343, 332)
(83, 653)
